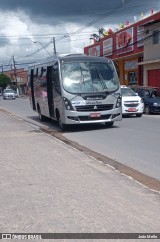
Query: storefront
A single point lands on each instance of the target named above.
(126, 48)
(151, 71)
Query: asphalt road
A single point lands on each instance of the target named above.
(47, 186)
(134, 142)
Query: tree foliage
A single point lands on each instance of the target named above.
(4, 80)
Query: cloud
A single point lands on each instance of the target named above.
(28, 21)
(59, 8)
(4, 41)
(20, 32)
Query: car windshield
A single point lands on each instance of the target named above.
(149, 93)
(88, 77)
(9, 91)
(127, 92)
(155, 93)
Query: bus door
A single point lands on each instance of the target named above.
(50, 90)
(32, 89)
(56, 87)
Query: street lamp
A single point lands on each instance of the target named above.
(42, 47)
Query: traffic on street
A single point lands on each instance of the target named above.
(80, 120)
(133, 142)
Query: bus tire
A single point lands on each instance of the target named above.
(109, 124)
(60, 124)
(41, 117)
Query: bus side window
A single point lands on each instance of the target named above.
(43, 80)
(43, 71)
(56, 81)
(35, 72)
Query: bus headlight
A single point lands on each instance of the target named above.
(67, 104)
(119, 102)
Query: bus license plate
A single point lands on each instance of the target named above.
(95, 115)
(132, 110)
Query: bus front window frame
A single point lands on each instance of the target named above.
(84, 82)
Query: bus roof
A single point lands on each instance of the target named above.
(82, 57)
(70, 58)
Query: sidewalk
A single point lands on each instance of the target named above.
(47, 186)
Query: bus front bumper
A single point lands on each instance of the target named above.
(72, 117)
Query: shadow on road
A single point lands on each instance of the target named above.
(72, 128)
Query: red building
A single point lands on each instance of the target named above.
(18, 77)
(126, 48)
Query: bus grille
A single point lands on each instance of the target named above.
(91, 108)
(88, 118)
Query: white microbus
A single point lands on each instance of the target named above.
(76, 89)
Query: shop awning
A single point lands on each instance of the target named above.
(149, 62)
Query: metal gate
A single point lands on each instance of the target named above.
(154, 78)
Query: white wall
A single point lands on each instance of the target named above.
(151, 51)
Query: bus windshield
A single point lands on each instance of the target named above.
(88, 77)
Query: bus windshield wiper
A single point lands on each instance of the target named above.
(102, 80)
(82, 78)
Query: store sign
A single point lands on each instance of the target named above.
(94, 51)
(108, 47)
(124, 41)
(130, 65)
(140, 36)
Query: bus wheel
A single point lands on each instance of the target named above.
(109, 124)
(41, 117)
(61, 125)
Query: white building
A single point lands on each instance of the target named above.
(151, 61)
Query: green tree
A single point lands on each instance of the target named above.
(4, 80)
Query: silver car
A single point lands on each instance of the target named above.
(9, 94)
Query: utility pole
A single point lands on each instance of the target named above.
(2, 68)
(54, 46)
(15, 73)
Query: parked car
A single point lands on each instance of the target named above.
(16, 94)
(131, 102)
(151, 98)
(8, 94)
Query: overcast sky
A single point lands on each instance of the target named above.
(71, 22)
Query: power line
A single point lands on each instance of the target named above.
(89, 24)
(138, 41)
(79, 30)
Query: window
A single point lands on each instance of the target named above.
(126, 92)
(56, 81)
(155, 37)
(132, 78)
(89, 77)
(146, 93)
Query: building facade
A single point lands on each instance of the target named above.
(18, 79)
(126, 48)
(151, 59)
